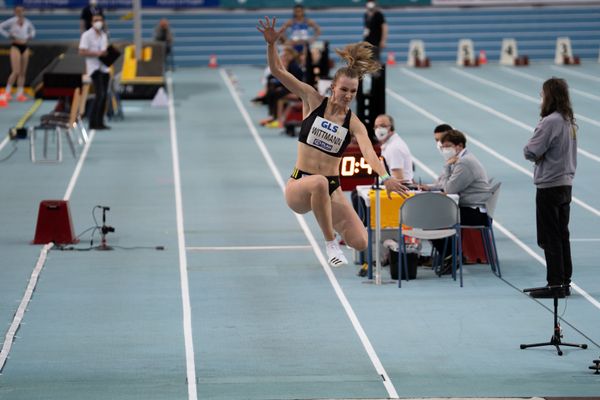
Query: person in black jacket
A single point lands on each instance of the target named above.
(376, 29)
(87, 13)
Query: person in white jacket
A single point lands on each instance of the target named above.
(20, 31)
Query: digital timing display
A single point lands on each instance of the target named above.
(354, 169)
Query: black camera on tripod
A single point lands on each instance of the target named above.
(104, 229)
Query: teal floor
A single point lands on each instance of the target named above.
(269, 324)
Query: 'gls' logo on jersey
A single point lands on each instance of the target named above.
(329, 126)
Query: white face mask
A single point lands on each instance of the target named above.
(448, 152)
(370, 5)
(381, 133)
(93, 2)
(98, 25)
(438, 144)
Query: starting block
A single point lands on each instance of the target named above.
(572, 60)
(465, 55)
(522, 61)
(564, 52)
(54, 223)
(509, 52)
(416, 55)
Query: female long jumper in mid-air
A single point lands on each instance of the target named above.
(327, 128)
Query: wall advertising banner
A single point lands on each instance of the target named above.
(111, 4)
(508, 2)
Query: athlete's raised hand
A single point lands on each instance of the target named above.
(395, 185)
(267, 28)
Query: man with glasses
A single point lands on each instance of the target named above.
(463, 175)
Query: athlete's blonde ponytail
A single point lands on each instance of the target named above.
(359, 60)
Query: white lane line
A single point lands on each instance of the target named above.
(489, 109)
(78, 167)
(4, 142)
(576, 73)
(478, 143)
(247, 248)
(18, 317)
(533, 100)
(540, 80)
(183, 273)
(504, 230)
(389, 386)
(39, 266)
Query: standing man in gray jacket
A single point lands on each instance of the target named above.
(553, 149)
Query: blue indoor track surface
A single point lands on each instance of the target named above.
(241, 276)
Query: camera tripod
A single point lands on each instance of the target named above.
(104, 230)
(596, 367)
(557, 335)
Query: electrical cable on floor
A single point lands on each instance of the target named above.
(95, 228)
(561, 317)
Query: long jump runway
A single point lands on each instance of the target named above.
(240, 305)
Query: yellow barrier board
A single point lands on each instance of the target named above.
(390, 209)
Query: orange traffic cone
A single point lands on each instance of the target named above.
(391, 58)
(482, 57)
(212, 61)
(3, 101)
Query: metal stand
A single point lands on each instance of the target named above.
(596, 367)
(104, 230)
(378, 280)
(557, 335)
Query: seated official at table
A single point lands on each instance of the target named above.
(394, 150)
(463, 175)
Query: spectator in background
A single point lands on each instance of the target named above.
(19, 30)
(85, 21)
(299, 26)
(376, 29)
(394, 150)
(276, 92)
(93, 45)
(162, 33)
(553, 149)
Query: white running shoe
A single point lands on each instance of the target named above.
(335, 256)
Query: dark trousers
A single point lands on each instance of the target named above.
(553, 206)
(468, 217)
(100, 81)
(274, 94)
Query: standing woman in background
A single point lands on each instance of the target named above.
(327, 128)
(553, 149)
(19, 30)
(299, 26)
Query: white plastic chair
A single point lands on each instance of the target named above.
(431, 216)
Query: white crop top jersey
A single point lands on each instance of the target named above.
(325, 135)
(13, 30)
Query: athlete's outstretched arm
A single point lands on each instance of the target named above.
(307, 93)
